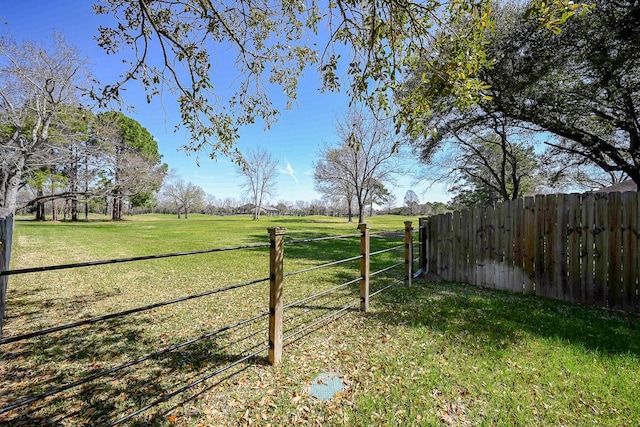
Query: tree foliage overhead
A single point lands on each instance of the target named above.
(275, 41)
(582, 84)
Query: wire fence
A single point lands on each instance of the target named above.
(111, 368)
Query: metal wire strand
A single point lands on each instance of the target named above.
(375, 273)
(395, 282)
(341, 261)
(318, 239)
(126, 312)
(137, 361)
(327, 317)
(386, 250)
(319, 294)
(131, 259)
(168, 396)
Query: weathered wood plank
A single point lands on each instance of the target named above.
(601, 250)
(464, 234)
(587, 248)
(550, 246)
(518, 245)
(456, 250)
(529, 243)
(448, 246)
(574, 257)
(540, 202)
(499, 247)
(508, 246)
(616, 249)
(560, 253)
(473, 265)
(479, 241)
(490, 250)
(441, 246)
(630, 250)
(615, 257)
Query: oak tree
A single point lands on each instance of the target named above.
(273, 42)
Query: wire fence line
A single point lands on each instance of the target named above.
(302, 318)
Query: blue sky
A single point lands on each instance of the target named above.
(293, 140)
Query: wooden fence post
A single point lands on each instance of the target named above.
(6, 232)
(422, 246)
(276, 238)
(365, 250)
(408, 253)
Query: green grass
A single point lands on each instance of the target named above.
(431, 354)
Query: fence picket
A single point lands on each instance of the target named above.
(601, 252)
(449, 243)
(479, 243)
(528, 245)
(630, 248)
(538, 256)
(587, 248)
(499, 247)
(518, 245)
(433, 244)
(615, 258)
(559, 284)
(550, 246)
(489, 251)
(573, 290)
(457, 246)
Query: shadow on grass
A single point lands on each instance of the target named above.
(42, 364)
(500, 318)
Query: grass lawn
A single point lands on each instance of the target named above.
(430, 354)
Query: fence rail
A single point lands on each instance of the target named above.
(270, 339)
(580, 248)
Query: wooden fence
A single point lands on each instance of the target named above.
(581, 248)
(6, 232)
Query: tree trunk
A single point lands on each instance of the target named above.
(40, 212)
(116, 214)
(361, 208)
(13, 178)
(54, 211)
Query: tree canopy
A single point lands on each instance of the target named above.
(274, 43)
(581, 85)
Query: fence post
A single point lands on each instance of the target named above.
(422, 246)
(6, 231)
(276, 239)
(365, 250)
(408, 253)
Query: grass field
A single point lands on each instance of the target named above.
(431, 354)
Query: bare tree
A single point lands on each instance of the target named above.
(36, 82)
(390, 203)
(412, 202)
(366, 156)
(185, 196)
(258, 169)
